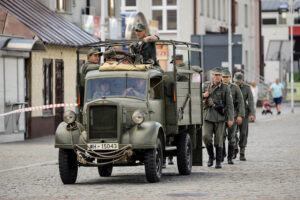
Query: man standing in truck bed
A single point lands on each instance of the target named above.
(218, 107)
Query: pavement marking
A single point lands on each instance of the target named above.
(28, 166)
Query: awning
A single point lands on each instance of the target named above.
(279, 50)
(24, 45)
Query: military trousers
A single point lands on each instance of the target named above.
(213, 129)
(243, 130)
(230, 132)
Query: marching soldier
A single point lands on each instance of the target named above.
(239, 113)
(249, 114)
(218, 107)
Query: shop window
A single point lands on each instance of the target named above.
(47, 84)
(165, 12)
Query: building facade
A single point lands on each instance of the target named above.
(49, 76)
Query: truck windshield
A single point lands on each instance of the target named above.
(109, 87)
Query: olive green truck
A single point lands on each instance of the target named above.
(133, 114)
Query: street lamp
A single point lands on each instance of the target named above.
(291, 5)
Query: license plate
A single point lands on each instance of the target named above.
(103, 146)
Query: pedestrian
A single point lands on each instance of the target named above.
(218, 108)
(249, 114)
(277, 90)
(146, 48)
(239, 114)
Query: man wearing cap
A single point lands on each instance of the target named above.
(110, 55)
(249, 114)
(218, 108)
(93, 58)
(239, 113)
(146, 49)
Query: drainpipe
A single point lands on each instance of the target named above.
(195, 17)
(103, 17)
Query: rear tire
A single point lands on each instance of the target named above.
(68, 167)
(106, 170)
(153, 163)
(184, 154)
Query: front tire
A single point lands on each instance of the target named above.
(68, 167)
(184, 154)
(153, 163)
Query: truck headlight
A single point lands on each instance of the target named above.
(69, 116)
(138, 117)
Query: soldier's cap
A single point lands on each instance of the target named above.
(226, 72)
(94, 51)
(177, 57)
(110, 53)
(217, 71)
(140, 27)
(238, 77)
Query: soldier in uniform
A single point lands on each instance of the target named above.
(146, 49)
(239, 113)
(93, 58)
(110, 55)
(218, 108)
(249, 114)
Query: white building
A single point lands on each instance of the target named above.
(180, 19)
(275, 29)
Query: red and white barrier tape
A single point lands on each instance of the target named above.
(44, 107)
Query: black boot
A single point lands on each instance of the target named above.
(210, 151)
(219, 156)
(230, 153)
(242, 154)
(235, 152)
(224, 152)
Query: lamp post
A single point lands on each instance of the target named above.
(291, 5)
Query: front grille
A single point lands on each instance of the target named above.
(103, 122)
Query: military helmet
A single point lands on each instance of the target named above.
(94, 51)
(226, 72)
(110, 53)
(217, 71)
(140, 27)
(238, 77)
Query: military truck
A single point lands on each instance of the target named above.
(140, 117)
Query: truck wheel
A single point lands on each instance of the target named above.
(153, 163)
(184, 154)
(68, 167)
(106, 170)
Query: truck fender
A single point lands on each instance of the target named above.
(63, 137)
(144, 134)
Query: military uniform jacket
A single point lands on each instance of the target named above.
(85, 68)
(248, 100)
(147, 50)
(238, 100)
(220, 94)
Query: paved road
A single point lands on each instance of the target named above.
(29, 170)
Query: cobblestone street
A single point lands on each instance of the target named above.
(29, 170)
